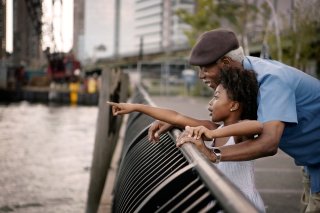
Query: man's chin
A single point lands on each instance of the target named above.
(212, 85)
(208, 83)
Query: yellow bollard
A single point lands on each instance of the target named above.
(74, 89)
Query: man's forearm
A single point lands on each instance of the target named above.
(265, 145)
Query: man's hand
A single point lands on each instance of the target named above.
(120, 108)
(156, 129)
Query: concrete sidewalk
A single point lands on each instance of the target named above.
(278, 179)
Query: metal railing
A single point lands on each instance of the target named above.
(163, 178)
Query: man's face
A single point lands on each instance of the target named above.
(210, 75)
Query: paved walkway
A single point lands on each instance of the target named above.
(278, 179)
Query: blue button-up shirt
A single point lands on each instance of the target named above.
(289, 95)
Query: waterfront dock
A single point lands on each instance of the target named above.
(47, 95)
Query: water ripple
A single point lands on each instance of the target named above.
(44, 151)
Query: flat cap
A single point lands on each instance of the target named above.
(212, 45)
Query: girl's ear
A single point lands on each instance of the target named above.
(235, 106)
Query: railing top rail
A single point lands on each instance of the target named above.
(228, 195)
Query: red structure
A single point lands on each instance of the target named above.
(62, 67)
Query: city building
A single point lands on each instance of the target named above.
(27, 50)
(78, 29)
(157, 27)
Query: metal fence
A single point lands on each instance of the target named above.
(163, 178)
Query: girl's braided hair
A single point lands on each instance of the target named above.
(242, 86)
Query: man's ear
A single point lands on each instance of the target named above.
(235, 106)
(226, 60)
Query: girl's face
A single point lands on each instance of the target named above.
(220, 105)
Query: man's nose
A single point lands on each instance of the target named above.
(210, 105)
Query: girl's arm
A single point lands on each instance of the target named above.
(243, 128)
(162, 114)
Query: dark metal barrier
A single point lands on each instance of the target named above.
(162, 178)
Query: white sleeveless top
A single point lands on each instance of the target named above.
(241, 173)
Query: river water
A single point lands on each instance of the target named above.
(45, 157)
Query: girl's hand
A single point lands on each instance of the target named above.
(156, 129)
(200, 145)
(121, 108)
(199, 132)
(185, 138)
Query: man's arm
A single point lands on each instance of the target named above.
(265, 145)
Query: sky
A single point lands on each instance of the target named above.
(99, 18)
(9, 32)
(99, 27)
(63, 16)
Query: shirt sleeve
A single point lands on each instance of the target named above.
(276, 101)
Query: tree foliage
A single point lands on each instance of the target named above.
(202, 19)
(300, 34)
(293, 36)
(210, 14)
(238, 14)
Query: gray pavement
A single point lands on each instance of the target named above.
(278, 179)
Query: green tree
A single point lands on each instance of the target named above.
(270, 23)
(239, 14)
(210, 14)
(300, 35)
(204, 18)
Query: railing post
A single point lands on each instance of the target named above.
(114, 87)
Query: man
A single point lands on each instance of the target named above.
(288, 107)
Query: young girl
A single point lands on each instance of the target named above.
(234, 105)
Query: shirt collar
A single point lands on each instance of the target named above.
(246, 64)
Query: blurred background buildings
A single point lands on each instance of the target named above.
(157, 26)
(78, 28)
(126, 32)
